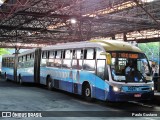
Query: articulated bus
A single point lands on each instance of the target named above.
(108, 70)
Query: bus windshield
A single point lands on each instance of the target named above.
(130, 67)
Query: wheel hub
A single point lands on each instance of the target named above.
(87, 92)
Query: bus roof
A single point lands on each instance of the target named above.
(116, 45)
(106, 45)
(27, 52)
(8, 55)
(72, 45)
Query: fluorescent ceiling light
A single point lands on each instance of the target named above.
(73, 21)
(147, 1)
(1, 2)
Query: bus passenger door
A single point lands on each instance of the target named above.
(74, 76)
(70, 82)
(76, 68)
(100, 81)
(73, 81)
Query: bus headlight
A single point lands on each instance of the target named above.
(116, 89)
(152, 88)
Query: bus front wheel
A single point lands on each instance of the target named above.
(87, 93)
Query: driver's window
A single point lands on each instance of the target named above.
(101, 68)
(143, 67)
(140, 66)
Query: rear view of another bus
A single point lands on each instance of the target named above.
(8, 67)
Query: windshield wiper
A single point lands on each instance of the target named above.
(143, 78)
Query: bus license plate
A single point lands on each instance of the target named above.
(137, 95)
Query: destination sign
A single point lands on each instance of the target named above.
(124, 55)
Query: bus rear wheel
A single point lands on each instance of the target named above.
(87, 93)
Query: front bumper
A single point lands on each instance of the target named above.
(124, 96)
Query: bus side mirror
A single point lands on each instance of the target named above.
(108, 57)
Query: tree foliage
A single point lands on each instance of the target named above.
(151, 50)
(3, 51)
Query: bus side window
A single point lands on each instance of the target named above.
(67, 59)
(32, 56)
(89, 61)
(45, 55)
(79, 54)
(8, 62)
(77, 59)
(2, 61)
(5, 63)
(90, 54)
(43, 60)
(22, 58)
(68, 54)
(58, 54)
(58, 60)
(74, 56)
(51, 54)
(98, 52)
(28, 57)
(25, 58)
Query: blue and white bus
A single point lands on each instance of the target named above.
(98, 69)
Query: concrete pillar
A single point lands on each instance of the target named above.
(158, 88)
(159, 59)
(16, 63)
(124, 37)
(113, 37)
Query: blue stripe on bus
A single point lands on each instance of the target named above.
(98, 85)
(10, 77)
(108, 95)
(100, 93)
(28, 78)
(27, 74)
(100, 89)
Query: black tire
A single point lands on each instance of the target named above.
(87, 93)
(49, 83)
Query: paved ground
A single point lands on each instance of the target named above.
(26, 99)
